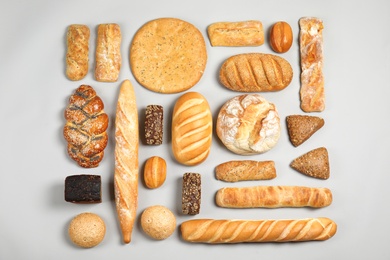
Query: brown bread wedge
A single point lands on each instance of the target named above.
(314, 163)
(302, 127)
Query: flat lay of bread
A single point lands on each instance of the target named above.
(169, 56)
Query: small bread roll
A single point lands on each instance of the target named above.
(248, 124)
(191, 129)
(87, 230)
(158, 222)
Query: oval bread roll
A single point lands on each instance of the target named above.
(248, 124)
(191, 129)
(256, 72)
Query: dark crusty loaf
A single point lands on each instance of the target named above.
(85, 128)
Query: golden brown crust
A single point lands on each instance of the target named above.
(273, 197)
(250, 231)
(77, 51)
(158, 222)
(85, 128)
(87, 230)
(312, 92)
(246, 170)
(108, 53)
(155, 172)
(126, 159)
(168, 55)
(256, 72)
(192, 128)
(243, 33)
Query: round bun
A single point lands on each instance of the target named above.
(248, 124)
(87, 230)
(158, 222)
(168, 55)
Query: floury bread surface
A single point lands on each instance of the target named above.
(250, 231)
(126, 159)
(191, 129)
(248, 124)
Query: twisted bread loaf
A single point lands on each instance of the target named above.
(273, 197)
(244, 231)
(255, 72)
(126, 159)
(85, 129)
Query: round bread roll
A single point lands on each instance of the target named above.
(158, 222)
(87, 230)
(248, 124)
(168, 55)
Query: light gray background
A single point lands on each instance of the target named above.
(34, 92)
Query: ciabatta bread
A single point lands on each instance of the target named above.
(246, 231)
(255, 72)
(126, 159)
(273, 197)
(192, 128)
(248, 124)
(85, 128)
(311, 50)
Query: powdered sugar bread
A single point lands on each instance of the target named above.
(126, 159)
(248, 124)
(168, 55)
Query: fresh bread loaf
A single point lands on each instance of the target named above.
(243, 33)
(245, 231)
(85, 128)
(273, 197)
(312, 92)
(248, 124)
(246, 170)
(108, 52)
(77, 39)
(126, 159)
(191, 129)
(255, 72)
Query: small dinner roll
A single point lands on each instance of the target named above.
(87, 230)
(158, 222)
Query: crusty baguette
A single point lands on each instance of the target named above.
(108, 52)
(191, 129)
(126, 159)
(312, 92)
(246, 170)
(243, 33)
(244, 231)
(77, 60)
(255, 72)
(273, 197)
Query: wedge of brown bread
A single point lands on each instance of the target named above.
(255, 72)
(245, 231)
(273, 197)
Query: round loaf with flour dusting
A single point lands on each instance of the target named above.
(248, 124)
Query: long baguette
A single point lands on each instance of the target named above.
(126, 159)
(245, 231)
(273, 197)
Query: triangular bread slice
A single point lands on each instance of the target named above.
(302, 127)
(314, 163)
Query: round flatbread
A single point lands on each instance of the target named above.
(168, 55)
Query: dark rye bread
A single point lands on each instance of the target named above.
(191, 193)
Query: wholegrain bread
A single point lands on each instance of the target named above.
(77, 59)
(245, 170)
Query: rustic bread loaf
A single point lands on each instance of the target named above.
(77, 60)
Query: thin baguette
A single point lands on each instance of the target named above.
(126, 159)
(273, 197)
(246, 170)
(245, 231)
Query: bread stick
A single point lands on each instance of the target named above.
(246, 170)
(273, 197)
(245, 231)
(126, 159)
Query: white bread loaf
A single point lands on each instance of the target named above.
(245, 231)
(126, 159)
(248, 124)
(191, 129)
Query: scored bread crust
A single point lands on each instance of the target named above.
(126, 159)
(255, 72)
(273, 197)
(192, 129)
(250, 231)
(248, 124)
